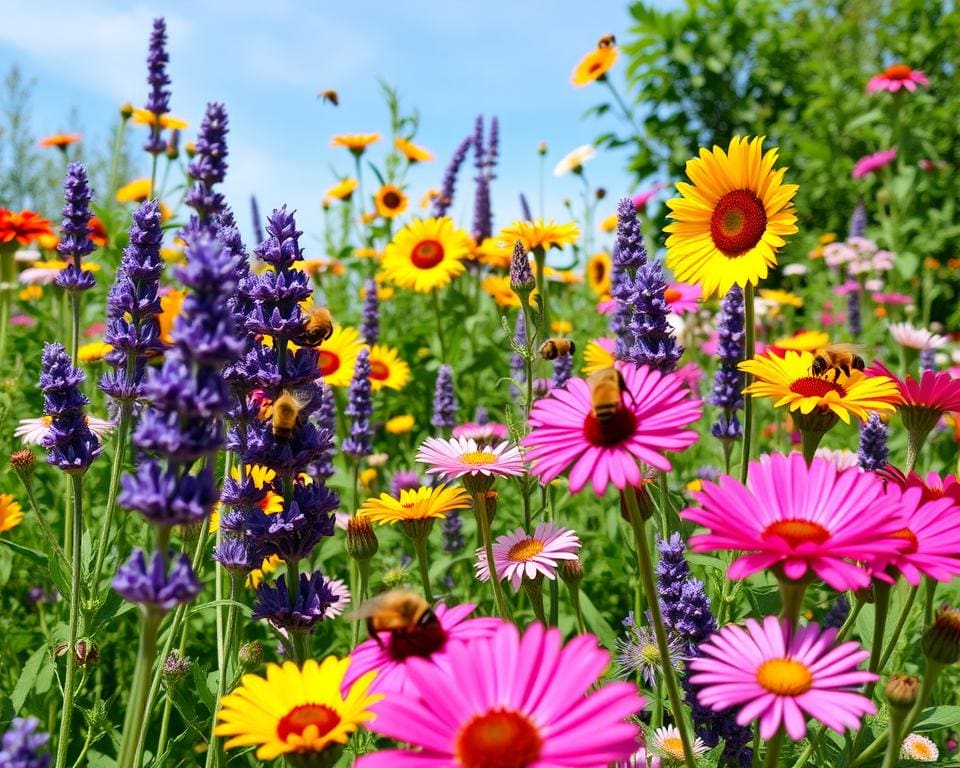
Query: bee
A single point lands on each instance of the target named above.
(551, 349)
(606, 41)
(287, 413)
(330, 95)
(839, 358)
(606, 393)
(413, 627)
(317, 326)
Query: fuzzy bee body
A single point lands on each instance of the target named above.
(413, 627)
(287, 409)
(331, 96)
(606, 393)
(317, 326)
(606, 41)
(839, 358)
(551, 349)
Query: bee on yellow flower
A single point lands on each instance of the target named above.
(595, 64)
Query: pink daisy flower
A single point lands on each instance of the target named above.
(607, 307)
(934, 391)
(912, 337)
(867, 165)
(932, 486)
(642, 199)
(892, 298)
(340, 591)
(510, 700)
(391, 656)
(682, 297)
(895, 77)
(461, 456)
(491, 432)
(783, 676)
(654, 411)
(818, 517)
(518, 555)
(932, 536)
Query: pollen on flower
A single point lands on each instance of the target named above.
(525, 550)
(738, 222)
(812, 386)
(498, 739)
(785, 677)
(478, 457)
(911, 538)
(797, 532)
(316, 717)
(610, 431)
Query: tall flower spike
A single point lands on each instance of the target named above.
(75, 242)
(628, 256)
(728, 379)
(854, 319)
(444, 399)
(482, 216)
(858, 221)
(873, 453)
(443, 201)
(71, 446)
(209, 165)
(370, 322)
(562, 370)
(158, 99)
(653, 340)
(359, 442)
(522, 281)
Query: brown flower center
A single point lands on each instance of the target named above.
(599, 270)
(898, 72)
(621, 425)
(498, 739)
(525, 550)
(797, 532)
(812, 386)
(391, 200)
(785, 677)
(298, 719)
(427, 254)
(738, 222)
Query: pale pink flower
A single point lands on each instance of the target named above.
(518, 555)
(895, 77)
(867, 165)
(461, 456)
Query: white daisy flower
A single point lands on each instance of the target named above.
(32, 431)
(667, 742)
(908, 336)
(919, 748)
(574, 161)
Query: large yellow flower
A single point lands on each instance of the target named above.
(426, 254)
(790, 381)
(296, 710)
(11, 513)
(341, 190)
(541, 234)
(594, 65)
(338, 356)
(390, 201)
(599, 269)
(802, 341)
(598, 355)
(387, 370)
(355, 142)
(729, 224)
(420, 504)
(413, 153)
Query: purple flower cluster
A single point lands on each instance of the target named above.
(444, 399)
(443, 201)
(629, 254)
(872, 453)
(562, 370)
(370, 319)
(327, 420)
(404, 480)
(453, 540)
(858, 221)
(75, 242)
(133, 305)
(485, 160)
(837, 614)
(24, 745)
(359, 442)
(70, 444)
(157, 586)
(209, 165)
(928, 360)
(854, 319)
(728, 379)
(313, 599)
(158, 100)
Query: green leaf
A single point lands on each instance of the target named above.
(31, 554)
(60, 579)
(937, 718)
(28, 678)
(596, 623)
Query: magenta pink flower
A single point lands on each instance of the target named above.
(937, 391)
(510, 700)
(652, 417)
(682, 297)
(518, 555)
(932, 486)
(798, 517)
(782, 676)
(641, 199)
(392, 654)
(870, 163)
(461, 456)
(892, 298)
(895, 77)
(484, 434)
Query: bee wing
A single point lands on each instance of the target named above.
(304, 395)
(842, 346)
(375, 604)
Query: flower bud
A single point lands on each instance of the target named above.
(176, 667)
(251, 655)
(173, 145)
(542, 149)
(571, 571)
(23, 462)
(361, 540)
(601, 193)
(941, 642)
(126, 110)
(491, 498)
(397, 576)
(522, 281)
(902, 691)
(84, 652)
(190, 148)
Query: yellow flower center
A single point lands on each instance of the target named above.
(478, 458)
(498, 739)
(797, 532)
(650, 653)
(312, 716)
(427, 254)
(673, 746)
(784, 677)
(525, 550)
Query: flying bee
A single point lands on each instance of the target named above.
(413, 627)
(551, 349)
(839, 358)
(606, 41)
(287, 410)
(330, 95)
(317, 326)
(606, 393)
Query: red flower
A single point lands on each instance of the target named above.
(25, 227)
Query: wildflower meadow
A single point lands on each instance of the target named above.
(661, 475)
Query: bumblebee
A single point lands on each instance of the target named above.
(317, 326)
(551, 349)
(606, 393)
(330, 95)
(287, 413)
(606, 41)
(839, 358)
(413, 628)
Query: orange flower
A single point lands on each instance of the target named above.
(355, 142)
(59, 140)
(411, 151)
(146, 117)
(25, 227)
(390, 201)
(98, 232)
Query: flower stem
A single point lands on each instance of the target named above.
(851, 619)
(901, 622)
(653, 602)
(929, 594)
(74, 325)
(420, 545)
(436, 312)
(894, 738)
(749, 326)
(791, 595)
(480, 507)
(881, 591)
(115, 158)
(215, 752)
(574, 590)
(540, 261)
(140, 692)
(63, 744)
(123, 430)
(772, 755)
(534, 590)
(810, 441)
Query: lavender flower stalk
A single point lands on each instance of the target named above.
(443, 201)
(209, 165)
(562, 370)
(24, 745)
(928, 360)
(728, 380)
(158, 99)
(444, 399)
(872, 453)
(858, 221)
(370, 321)
(359, 442)
(854, 319)
(628, 256)
(654, 343)
(74, 244)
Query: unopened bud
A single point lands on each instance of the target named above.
(126, 110)
(190, 148)
(644, 503)
(865, 594)
(491, 498)
(542, 149)
(571, 571)
(176, 667)
(600, 193)
(902, 692)
(522, 281)
(398, 576)
(361, 540)
(84, 652)
(251, 655)
(23, 462)
(941, 643)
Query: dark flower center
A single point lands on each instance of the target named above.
(608, 432)
(498, 739)
(391, 200)
(298, 719)
(599, 269)
(379, 371)
(427, 254)
(811, 386)
(738, 222)
(421, 640)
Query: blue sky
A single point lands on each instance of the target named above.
(267, 61)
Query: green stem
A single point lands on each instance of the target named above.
(574, 591)
(773, 750)
(901, 622)
(153, 173)
(480, 506)
(534, 590)
(894, 738)
(63, 745)
(45, 528)
(750, 349)
(653, 603)
(8, 271)
(436, 312)
(627, 112)
(791, 595)
(74, 325)
(881, 592)
(851, 619)
(810, 441)
(140, 692)
(540, 261)
(123, 429)
(929, 595)
(215, 752)
(115, 158)
(420, 545)
(808, 751)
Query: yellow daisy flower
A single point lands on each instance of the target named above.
(400, 425)
(498, 286)
(782, 298)
(338, 356)
(598, 355)
(788, 379)
(413, 153)
(387, 370)
(135, 191)
(271, 502)
(599, 268)
(426, 254)
(355, 142)
(390, 201)
(171, 304)
(729, 224)
(341, 190)
(561, 327)
(803, 341)
(609, 224)
(540, 234)
(268, 566)
(93, 352)
(11, 513)
(594, 65)
(295, 710)
(31, 293)
(494, 253)
(420, 504)
(167, 121)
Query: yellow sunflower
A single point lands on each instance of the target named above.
(146, 117)
(338, 356)
(598, 355)
(293, 709)
(729, 224)
(271, 502)
(426, 254)
(599, 267)
(342, 190)
(802, 341)
(540, 234)
(420, 504)
(790, 381)
(781, 298)
(390, 201)
(494, 253)
(355, 142)
(413, 153)
(594, 65)
(387, 370)
(93, 352)
(11, 513)
(400, 425)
